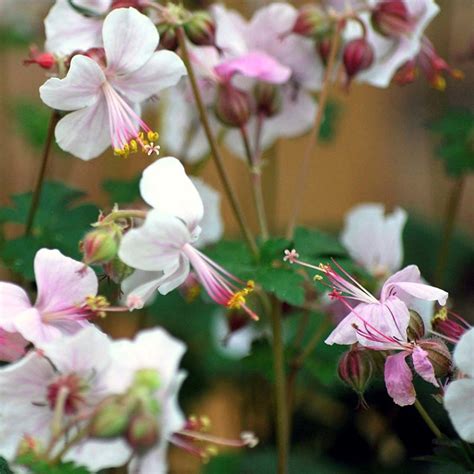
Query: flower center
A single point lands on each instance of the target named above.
(68, 390)
(93, 306)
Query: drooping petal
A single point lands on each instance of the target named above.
(130, 39)
(13, 301)
(156, 245)
(80, 88)
(166, 187)
(423, 366)
(463, 353)
(85, 133)
(164, 69)
(257, 65)
(398, 379)
(175, 276)
(140, 287)
(459, 402)
(62, 282)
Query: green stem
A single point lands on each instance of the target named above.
(280, 388)
(42, 173)
(452, 208)
(256, 184)
(213, 145)
(122, 214)
(428, 420)
(82, 433)
(313, 136)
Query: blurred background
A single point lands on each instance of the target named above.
(377, 148)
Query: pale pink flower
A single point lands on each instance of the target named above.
(163, 247)
(104, 99)
(459, 396)
(66, 299)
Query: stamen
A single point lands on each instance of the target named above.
(97, 304)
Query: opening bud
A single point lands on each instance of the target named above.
(101, 245)
(267, 99)
(143, 433)
(355, 369)
(232, 106)
(391, 18)
(201, 29)
(312, 22)
(358, 55)
(416, 326)
(439, 356)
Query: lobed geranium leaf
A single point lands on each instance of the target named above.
(315, 243)
(122, 191)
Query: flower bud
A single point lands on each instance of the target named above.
(358, 55)
(137, 4)
(116, 270)
(143, 433)
(29, 446)
(201, 29)
(267, 99)
(416, 326)
(168, 38)
(391, 18)
(323, 48)
(147, 378)
(438, 355)
(355, 369)
(312, 22)
(43, 60)
(232, 106)
(101, 245)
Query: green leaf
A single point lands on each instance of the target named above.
(59, 223)
(32, 120)
(315, 243)
(234, 256)
(122, 191)
(38, 466)
(4, 468)
(273, 250)
(284, 283)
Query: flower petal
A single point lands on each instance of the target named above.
(80, 88)
(423, 366)
(130, 39)
(12, 346)
(164, 69)
(463, 353)
(166, 187)
(231, 30)
(30, 325)
(62, 282)
(459, 402)
(85, 133)
(156, 245)
(140, 287)
(174, 277)
(13, 301)
(398, 379)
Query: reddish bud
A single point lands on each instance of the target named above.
(416, 326)
(267, 99)
(168, 38)
(391, 18)
(101, 245)
(450, 325)
(324, 49)
(201, 29)
(312, 22)
(358, 55)
(143, 433)
(439, 356)
(137, 4)
(232, 106)
(43, 60)
(355, 369)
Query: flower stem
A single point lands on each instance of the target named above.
(42, 173)
(428, 420)
(454, 202)
(122, 214)
(313, 135)
(213, 145)
(81, 433)
(280, 388)
(256, 178)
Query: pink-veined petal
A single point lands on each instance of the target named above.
(80, 88)
(85, 133)
(156, 245)
(423, 366)
(13, 301)
(398, 379)
(130, 39)
(62, 281)
(164, 69)
(174, 276)
(166, 187)
(30, 325)
(463, 353)
(459, 402)
(140, 287)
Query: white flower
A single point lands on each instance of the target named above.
(459, 396)
(104, 100)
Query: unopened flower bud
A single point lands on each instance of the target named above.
(143, 433)
(101, 245)
(117, 270)
(355, 369)
(201, 29)
(137, 4)
(416, 326)
(323, 48)
(29, 446)
(391, 18)
(147, 378)
(232, 106)
(438, 355)
(312, 22)
(168, 38)
(43, 60)
(267, 99)
(358, 55)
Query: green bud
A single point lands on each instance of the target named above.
(439, 356)
(416, 326)
(312, 22)
(101, 245)
(147, 378)
(201, 29)
(355, 369)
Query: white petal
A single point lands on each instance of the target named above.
(13, 301)
(459, 402)
(130, 39)
(164, 69)
(140, 287)
(175, 276)
(463, 353)
(166, 187)
(80, 88)
(156, 245)
(231, 30)
(85, 133)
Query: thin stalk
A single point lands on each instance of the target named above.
(313, 136)
(280, 388)
(452, 209)
(218, 160)
(123, 214)
(428, 420)
(256, 183)
(42, 173)
(81, 433)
